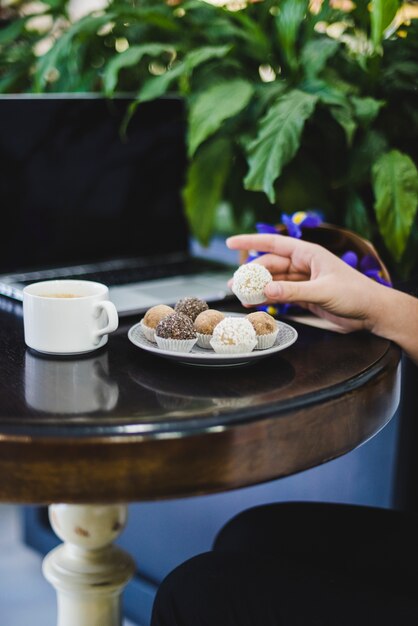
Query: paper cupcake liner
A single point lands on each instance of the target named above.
(256, 298)
(241, 348)
(175, 345)
(203, 341)
(149, 333)
(266, 341)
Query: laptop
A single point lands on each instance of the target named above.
(81, 199)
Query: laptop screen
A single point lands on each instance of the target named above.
(75, 191)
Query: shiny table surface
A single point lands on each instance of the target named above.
(121, 424)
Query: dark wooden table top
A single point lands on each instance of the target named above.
(121, 424)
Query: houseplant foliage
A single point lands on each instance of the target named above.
(291, 105)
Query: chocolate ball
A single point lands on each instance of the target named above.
(191, 307)
(176, 326)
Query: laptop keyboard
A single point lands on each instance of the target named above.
(128, 275)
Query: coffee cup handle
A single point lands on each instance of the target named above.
(112, 317)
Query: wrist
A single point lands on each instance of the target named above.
(381, 315)
(396, 318)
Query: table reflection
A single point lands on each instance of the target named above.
(69, 386)
(198, 388)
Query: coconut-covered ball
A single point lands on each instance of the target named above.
(155, 314)
(234, 335)
(249, 282)
(191, 307)
(263, 323)
(176, 326)
(206, 321)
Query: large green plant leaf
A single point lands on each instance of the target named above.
(159, 85)
(214, 106)
(288, 22)
(363, 154)
(366, 109)
(88, 26)
(382, 13)
(206, 179)
(278, 140)
(356, 217)
(206, 53)
(129, 58)
(289, 19)
(316, 53)
(9, 33)
(344, 116)
(395, 186)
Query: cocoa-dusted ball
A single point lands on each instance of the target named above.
(263, 323)
(176, 326)
(155, 314)
(206, 321)
(191, 307)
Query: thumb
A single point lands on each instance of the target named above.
(292, 291)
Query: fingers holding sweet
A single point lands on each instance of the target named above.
(282, 245)
(294, 291)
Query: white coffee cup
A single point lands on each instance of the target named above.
(67, 316)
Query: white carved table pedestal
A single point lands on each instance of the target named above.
(87, 571)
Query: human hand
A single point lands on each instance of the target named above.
(310, 276)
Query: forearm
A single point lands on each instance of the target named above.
(396, 318)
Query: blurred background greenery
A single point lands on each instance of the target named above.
(291, 105)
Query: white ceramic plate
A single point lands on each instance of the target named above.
(286, 336)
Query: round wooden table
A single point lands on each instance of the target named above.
(122, 425)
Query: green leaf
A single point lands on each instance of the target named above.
(395, 186)
(278, 140)
(344, 116)
(363, 154)
(366, 109)
(9, 33)
(87, 25)
(288, 22)
(8, 80)
(206, 179)
(382, 13)
(214, 106)
(330, 91)
(130, 57)
(206, 53)
(159, 85)
(316, 53)
(356, 218)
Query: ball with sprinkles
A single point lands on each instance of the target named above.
(176, 326)
(191, 307)
(249, 282)
(234, 335)
(176, 332)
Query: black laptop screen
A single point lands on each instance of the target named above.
(74, 191)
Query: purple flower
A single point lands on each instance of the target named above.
(301, 219)
(350, 258)
(266, 229)
(294, 230)
(368, 265)
(253, 254)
